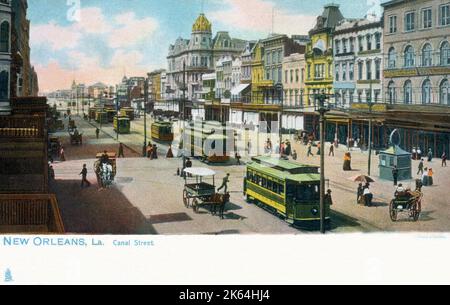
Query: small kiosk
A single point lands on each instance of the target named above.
(395, 156)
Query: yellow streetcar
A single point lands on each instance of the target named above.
(122, 124)
(210, 141)
(162, 131)
(287, 189)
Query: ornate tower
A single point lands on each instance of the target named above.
(201, 33)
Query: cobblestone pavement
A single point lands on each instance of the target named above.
(149, 194)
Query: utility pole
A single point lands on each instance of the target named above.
(279, 87)
(117, 114)
(370, 104)
(322, 111)
(145, 115)
(184, 116)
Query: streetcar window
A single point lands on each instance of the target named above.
(269, 185)
(281, 188)
(264, 183)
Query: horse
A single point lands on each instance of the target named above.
(218, 203)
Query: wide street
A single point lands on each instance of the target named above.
(147, 196)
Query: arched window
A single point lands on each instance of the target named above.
(445, 54)
(427, 55)
(407, 92)
(426, 92)
(4, 37)
(4, 81)
(392, 58)
(444, 90)
(391, 93)
(409, 57)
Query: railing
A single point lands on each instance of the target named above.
(22, 127)
(34, 212)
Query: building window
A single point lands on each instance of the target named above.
(351, 71)
(369, 69)
(392, 58)
(369, 42)
(336, 71)
(352, 44)
(426, 92)
(360, 96)
(268, 58)
(376, 96)
(393, 24)
(344, 46)
(4, 85)
(280, 75)
(4, 37)
(444, 92)
(391, 93)
(309, 71)
(377, 69)
(444, 14)
(351, 96)
(427, 18)
(292, 76)
(297, 76)
(360, 43)
(344, 71)
(303, 76)
(360, 70)
(407, 92)
(445, 54)
(280, 56)
(427, 56)
(338, 46)
(378, 41)
(410, 21)
(409, 57)
(274, 57)
(286, 80)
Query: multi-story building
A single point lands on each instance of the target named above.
(97, 90)
(5, 56)
(294, 90)
(197, 56)
(417, 69)
(358, 61)
(319, 56)
(155, 82)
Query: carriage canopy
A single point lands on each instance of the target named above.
(200, 172)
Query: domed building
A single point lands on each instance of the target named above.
(199, 54)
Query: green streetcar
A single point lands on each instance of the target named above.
(288, 189)
(122, 125)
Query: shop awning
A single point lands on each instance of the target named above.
(238, 89)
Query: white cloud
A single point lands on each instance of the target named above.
(130, 30)
(55, 36)
(256, 15)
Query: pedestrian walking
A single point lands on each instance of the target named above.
(328, 199)
(121, 154)
(51, 172)
(430, 155)
(97, 133)
(83, 175)
(421, 166)
(294, 155)
(395, 175)
(331, 153)
(62, 155)
(224, 185)
(444, 159)
(359, 193)
(430, 177)
(309, 150)
(238, 158)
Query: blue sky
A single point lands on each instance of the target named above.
(101, 40)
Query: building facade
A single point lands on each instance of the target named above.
(319, 54)
(358, 62)
(417, 49)
(5, 57)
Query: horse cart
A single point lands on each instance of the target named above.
(76, 138)
(406, 202)
(200, 194)
(106, 168)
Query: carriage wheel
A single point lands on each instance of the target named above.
(393, 212)
(195, 205)
(185, 199)
(417, 211)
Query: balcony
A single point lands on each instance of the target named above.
(417, 65)
(31, 214)
(22, 127)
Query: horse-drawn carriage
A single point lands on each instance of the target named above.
(202, 194)
(54, 145)
(76, 138)
(406, 202)
(105, 168)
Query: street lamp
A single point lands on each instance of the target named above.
(117, 114)
(322, 111)
(145, 116)
(370, 104)
(279, 88)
